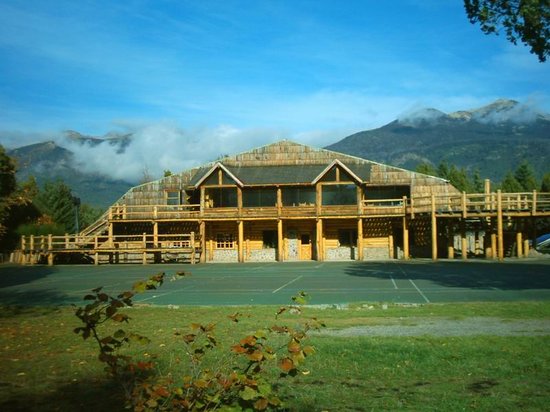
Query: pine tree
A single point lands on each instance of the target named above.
(525, 176)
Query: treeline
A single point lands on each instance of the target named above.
(522, 179)
(26, 209)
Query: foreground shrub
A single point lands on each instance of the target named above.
(212, 377)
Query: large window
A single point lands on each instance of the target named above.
(225, 241)
(298, 196)
(269, 239)
(339, 194)
(173, 198)
(347, 237)
(221, 197)
(260, 197)
(394, 193)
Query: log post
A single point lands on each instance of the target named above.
(144, 245)
(202, 232)
(434, 229)
(50, 250)
(500, 228)
(31, 249)
(319, 241)
(280, 242)
(405, 238)
(359, 239)
(279, 201)
(519, 244)
(192, 244)
(240, 241)
(494, 246)
(96, 254)
(463, 240)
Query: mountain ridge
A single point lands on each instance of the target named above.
(492, 139)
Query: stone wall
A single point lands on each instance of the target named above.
(375, 253)
(226, 255)
(341, 253)
(263, 255)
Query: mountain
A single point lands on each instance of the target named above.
(493, 139)
(47, 162)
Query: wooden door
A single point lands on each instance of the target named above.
(306, 246)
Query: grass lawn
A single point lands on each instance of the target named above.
(45, 366)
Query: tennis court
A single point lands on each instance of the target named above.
(418, 281)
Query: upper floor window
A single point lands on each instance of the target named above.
(173, 197)
(221, 197)
(260, 197)
(298, 196)
(343, 194)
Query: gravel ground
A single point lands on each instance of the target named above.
(448, 327)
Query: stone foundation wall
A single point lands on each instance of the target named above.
(341, 253)
(263, 255)
(226, 255)
(375, 253)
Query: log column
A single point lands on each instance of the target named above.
(202, 234)
(240, 242)
(319, 241)
(434, 230)
(500, 227)
(360, 239)
(405, 238)
(280, 240)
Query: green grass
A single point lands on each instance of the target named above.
(45, 366)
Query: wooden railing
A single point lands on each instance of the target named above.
(34, 247)
(463, 204)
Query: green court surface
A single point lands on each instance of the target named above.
(418, 281)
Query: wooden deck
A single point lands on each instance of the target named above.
(100, 243)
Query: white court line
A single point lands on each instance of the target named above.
(288, 283)
(393, 281)
(419, 291)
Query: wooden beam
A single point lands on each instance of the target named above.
(434, 230)
(405, 238)
(280, 241)
(519, 244)
(318, 198)
(279, 200)
(494, 246)
(240, 241)
(360, 239)
(202, 233)
(463, 241)
(500, 226)
(319, 241)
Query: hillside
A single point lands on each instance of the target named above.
(48, 161)
(493, 139)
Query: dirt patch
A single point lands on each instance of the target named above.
(449, 327)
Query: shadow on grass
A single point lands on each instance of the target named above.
(79, 396)
(12, 275)
(473, 275)
(27, 298)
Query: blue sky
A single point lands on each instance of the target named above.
(238, 74)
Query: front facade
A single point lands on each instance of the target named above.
(283, 202)
(290, 202)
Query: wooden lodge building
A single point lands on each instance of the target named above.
(291, 202)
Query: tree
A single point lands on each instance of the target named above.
(7, 188)
(56, 201)
(510, 184)
(525, 176)
(525, 20)
(545, 185)
(426, 168)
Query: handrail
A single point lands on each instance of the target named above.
(459, 203)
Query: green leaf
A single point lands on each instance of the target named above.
(247, 394)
